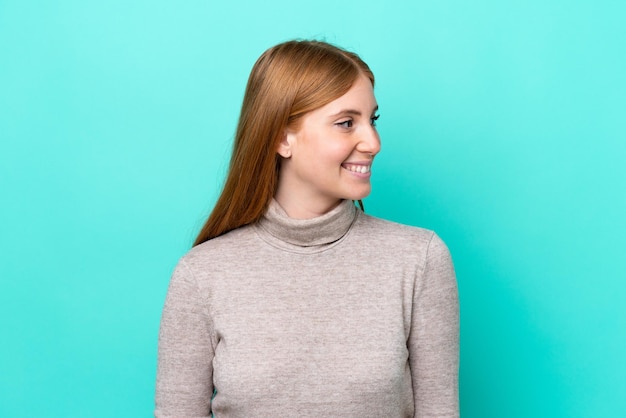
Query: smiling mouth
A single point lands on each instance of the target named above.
(357, 168)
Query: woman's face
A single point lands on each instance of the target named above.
(329, 157)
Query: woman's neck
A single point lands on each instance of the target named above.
(304, 208)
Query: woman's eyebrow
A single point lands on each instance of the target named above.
(347, 112)
(353, 112)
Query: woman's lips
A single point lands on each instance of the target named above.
(360, 169)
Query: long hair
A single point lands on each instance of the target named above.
(287, 81)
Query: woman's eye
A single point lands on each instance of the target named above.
(373, 119)
(345, 123)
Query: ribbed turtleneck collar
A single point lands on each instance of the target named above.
(304, 235)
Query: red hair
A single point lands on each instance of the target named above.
(287, 81)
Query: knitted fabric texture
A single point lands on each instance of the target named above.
(345, 315)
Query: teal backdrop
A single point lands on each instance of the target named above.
(503, 128)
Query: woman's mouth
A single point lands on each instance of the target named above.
(357, 168)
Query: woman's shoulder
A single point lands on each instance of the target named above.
(389, 233)
(380, 226)
(223, 248)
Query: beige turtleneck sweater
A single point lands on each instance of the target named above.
(344, 315)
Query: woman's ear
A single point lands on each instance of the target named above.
(284, 146)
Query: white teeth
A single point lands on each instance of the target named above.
(358, 168)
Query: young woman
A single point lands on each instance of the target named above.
(293, 302)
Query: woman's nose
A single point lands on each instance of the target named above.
(370, 141)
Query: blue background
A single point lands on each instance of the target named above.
(503, 127)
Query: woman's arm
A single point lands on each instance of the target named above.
(184, 383)
(434, 338)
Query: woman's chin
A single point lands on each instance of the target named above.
(358, 195)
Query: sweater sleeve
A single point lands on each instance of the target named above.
(434, 337)
(184, 384)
